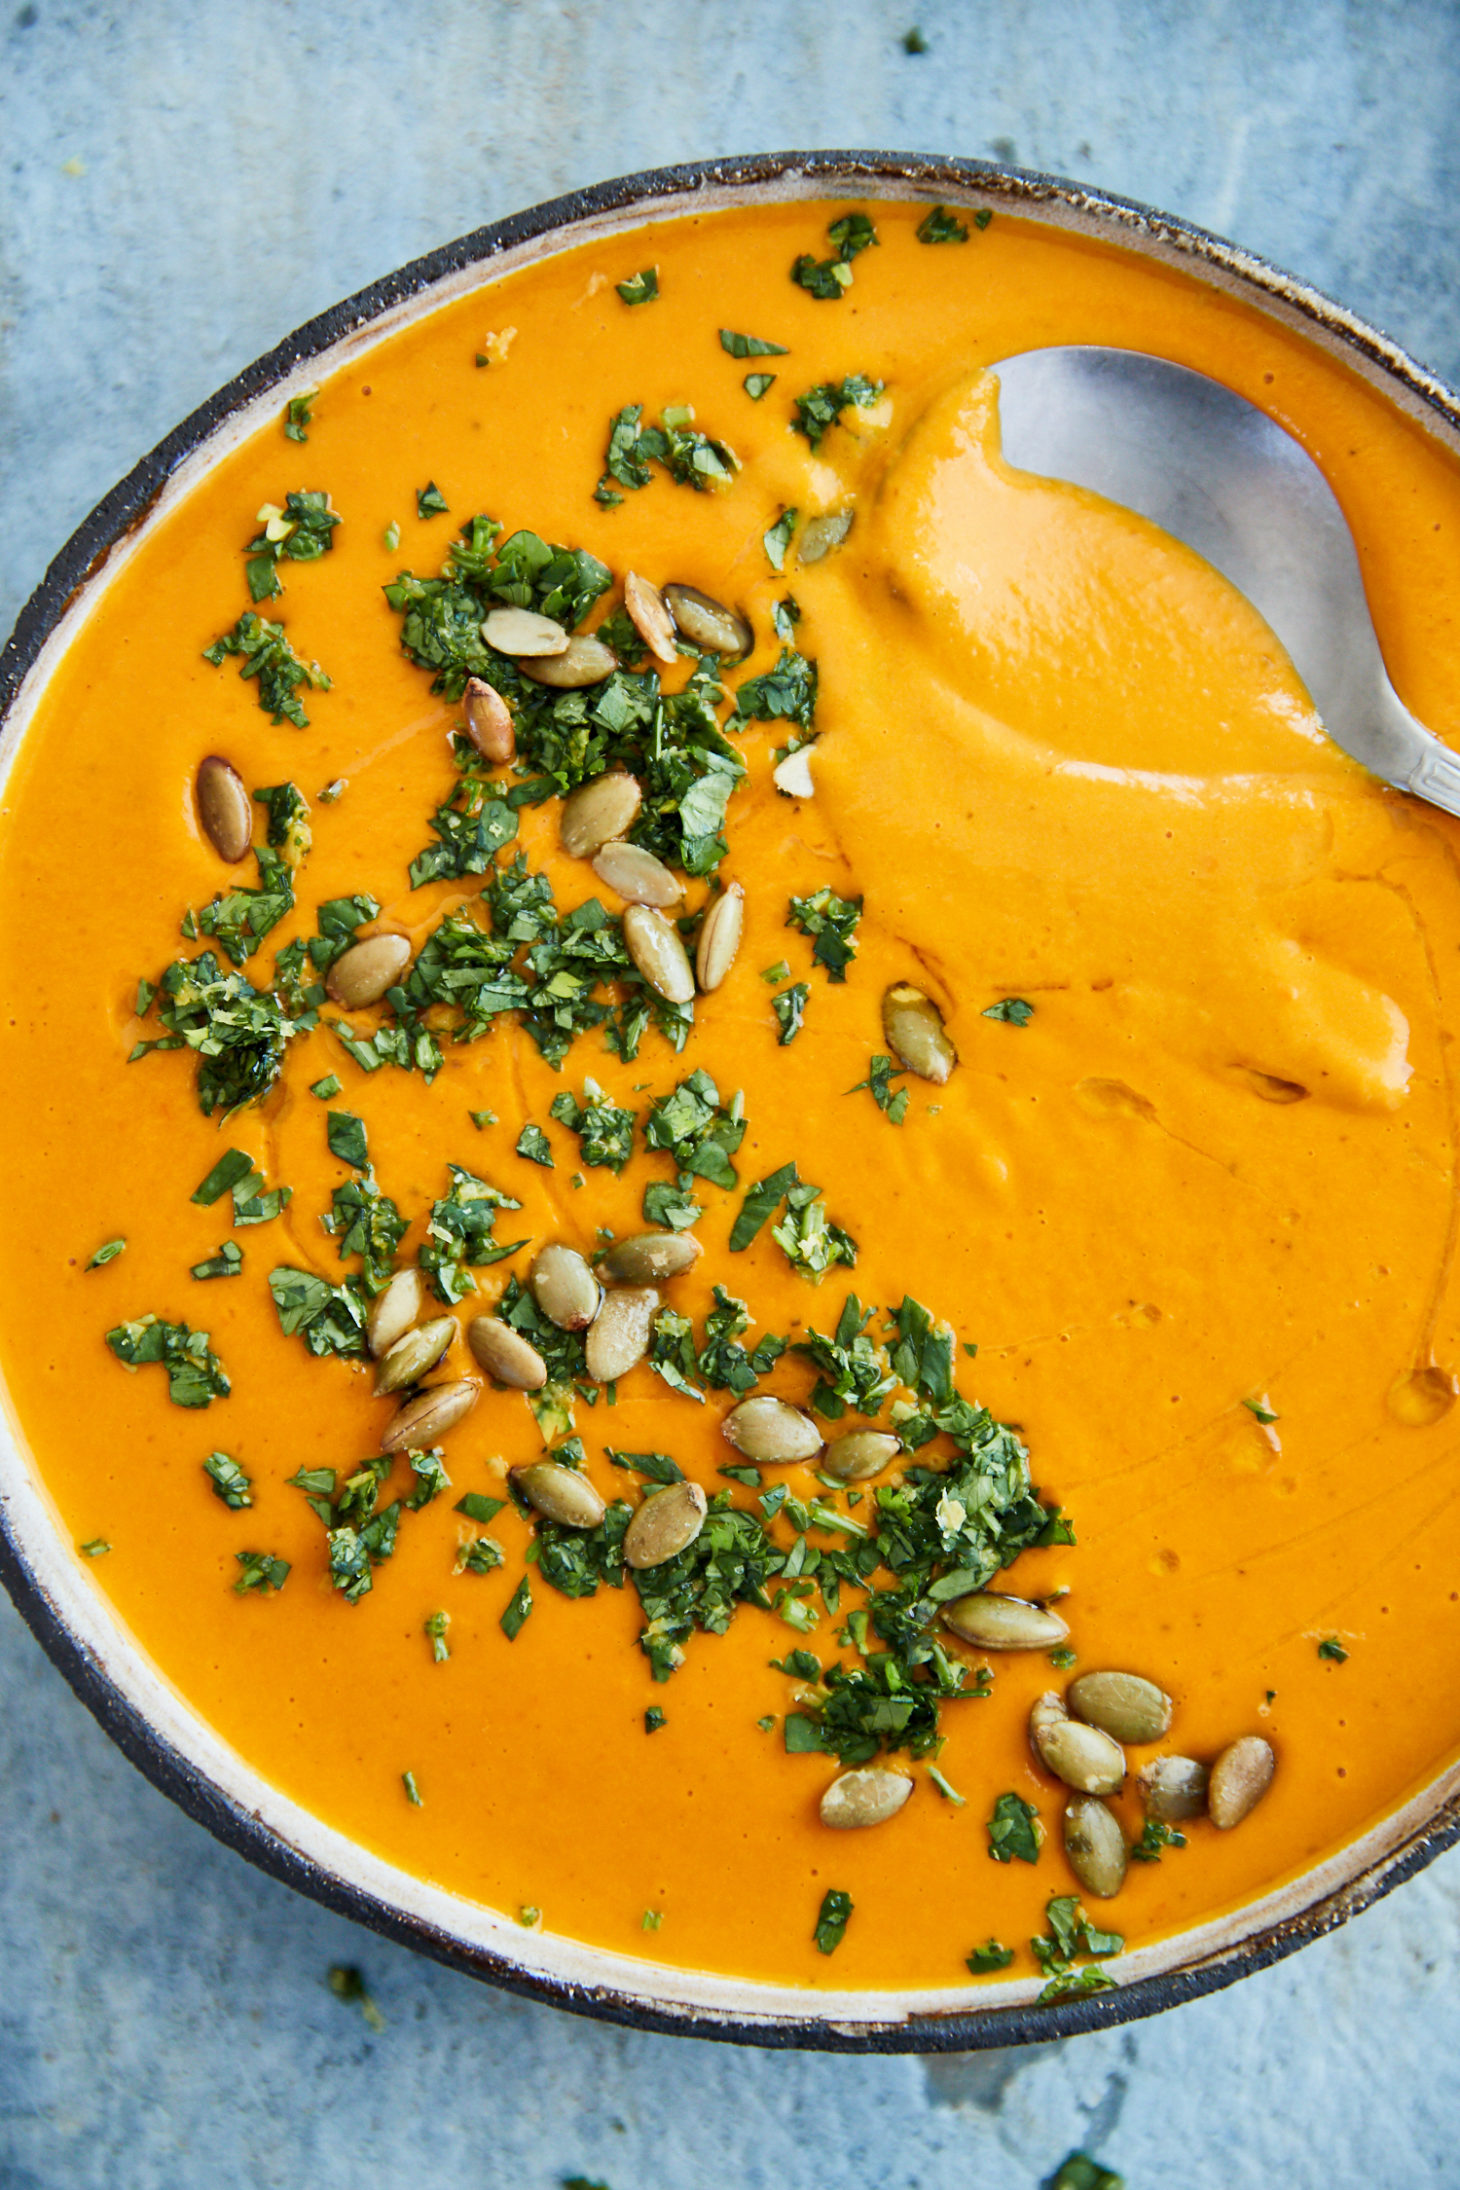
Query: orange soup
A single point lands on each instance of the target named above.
(1069, 1073)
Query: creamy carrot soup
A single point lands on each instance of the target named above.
(981, 1059)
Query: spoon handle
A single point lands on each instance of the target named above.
(1403, 752)
(1436, 777)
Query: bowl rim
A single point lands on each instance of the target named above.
(1399, 1845)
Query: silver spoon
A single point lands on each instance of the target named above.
(1213, 470)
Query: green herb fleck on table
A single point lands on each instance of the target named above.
(913, 41)
(107, 1252)
(640, 288)
(990, 1956)
(347, 1983)
(1013, 1010)
(1014, 1830)
(262, 1573)
(1077, 2171)
(831, 1924)
(430, 501)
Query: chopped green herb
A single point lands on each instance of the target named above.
(326, 1088)
(781, 971)
(757, 384)
(914, 42)
(435, 1626)
(481, 1119)
(1154, 1837)
(482, 1556)
(228, 1262)
(1079, 2172)
(195, 1375)
(107, 1252)
(778, 539)
(289, 830)
(982, 217)
(806, 1236)
(391, 537)
(786, 693)
(329, 1318)
(1012, 1009)
(640, 288)
(430, 501)
(949, 1794)
(239, 919)
(653, 1719)
(1063, 1658)
(533, 1144)
(517, 1611)
(880, 1076)
(348, 1984)
(819, 409)
(232, 1167)
(229, 1481)
(262, 1572)
(653, 1918)
(830, 278)
(1071, 1935)
(298, 413)
(478, 1508)
(530, 1919)
(267, 655)
(990, 1956)
(1263, 1409)
(832, 922)
(97, 1548)
(790, 1010)
(413, 1792)
(605, 1132)
(1332, 1649)
(735, 345)
(1014, 1830)
(691, 458)
(760, 1204)
(459, 1234)
(698, 1130)
(300, 532)
(831, 1924)
(941, 226)
(347, 1138)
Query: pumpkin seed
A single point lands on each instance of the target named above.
(559, 1494)
(792, 776)
(564, 1287)
(1080, 1755)
(523, 634)
(637, 875)
(583, 661)
(913, 1026)
(1121, 1704)
(819, 535)
(868, 1796)
(861, 1454)
(394, 1311)
(224, 808)
(411, 1357)
(618, 1337)
(1173, 1788)
(992, 1622)
(654, 946)
(706, 622)
(1095, 1846)
(363, 973)
(650, 617)
(505, 1354)
(720, 938)
(598, 811)
(419, 1423)
(665, 1524)
(772, 1430)
(488, 720)
(1240, 1778)
(650, 1256)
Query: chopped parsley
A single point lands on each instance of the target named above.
(790, 1010)
(96, 1548)
(786, 693)
(1077, 2171)
(459, 1234)
(819, 409)
(1154, 1837)
(1072, 1936)
(778, 538)
(107, 1252)
(479, 1508)
(347, 1138)
(1264, 1410)
(640, 288)
(266, 654)
(262, 1573)
(430, 501)
(831, 1923)
(288, 811)
(229, 1481)
(690, 457)
(195, 1375)
(329, 1318)
(990, 1956)
(237, 1032)
(300, 532)
(516, 1614)
(758, 384)
(735, 345)
(1013, 1010)
(832, 923)
(700, 1132)
(760, 1204)
(807, 1238)
(413, 1792)
(1332, 1649)
(299, 413)
(366, 1223)
(941, 226)
(533, 1144)
(240, 918)
(326, 1088)
(605, 1132)
(434, 1627)
(830, 278)
(348, 1984)
(653, 1719)
(890, 1100)
(1014, 1830)
(228, 1262)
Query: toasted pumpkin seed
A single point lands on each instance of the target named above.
(393, 1312)
(224, 807)
(666, 1524)
(720, 936)
(650, 1256)
(650, 617)
(559, 1494)
(772, 1430)
(819, 535)
(1095, 1846)
(505, 1354)
(428, 1416)
(1173, 1788)
(792, 776)
(618, 1337)
(706, 622)
(523, 634)
(1080, 1755)
(363, 973)
(870, 1795)
(654, 946)
(488, 720)
(637, 876)
(1239, 1779)
(411, 1357)
(583, 661)
(597, 812)
(861, 1454)
(564, 1287)
(1121, 1704)
(992, 1622)
(913, 1026)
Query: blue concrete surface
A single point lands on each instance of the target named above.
(182, 181)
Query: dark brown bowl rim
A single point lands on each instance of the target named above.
(840, 172)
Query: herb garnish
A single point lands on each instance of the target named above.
(1263, 1409)
(228, 1480)
(435, 1626)
(735, 345)
(831, 1924)
(226, 1263)
(941, 226)
(96, 1548)
(1012, 1009)
(1332, 1649)
(605, 1132)
(459, 1234)
(830, 278)
(786, 693)
(430, 501)
(890, 1100)
(262, 1573)
(534, 1145)
(301, 531)
(818, 410)
(195, 1375)
(107, 1252)
(517, 1611)
(1077, 2171)
(778, 538)
(413, 1792)
(691, 458)
(990, 1956)
(347, 1140)
(240, 918)
(790, 1008)
(299, 413)
(832, 922)
(756, 384)
(288, 811)
(1072, 1935)
(268, 655)
(1154, 1837)
(640, 288)
(1014, 1830)
(701, 1133)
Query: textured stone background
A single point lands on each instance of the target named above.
(182, 183)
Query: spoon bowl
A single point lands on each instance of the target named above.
(1219, 474)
